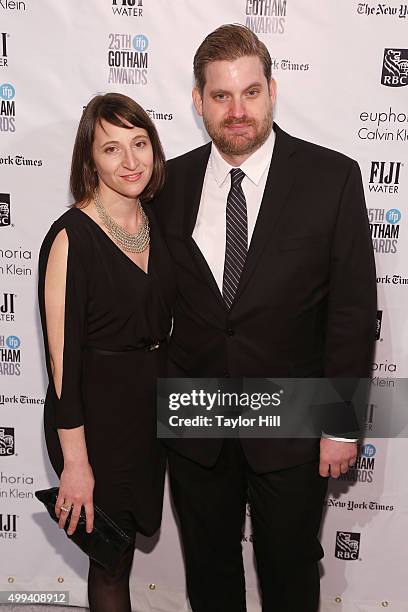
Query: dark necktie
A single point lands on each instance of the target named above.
(236, 244)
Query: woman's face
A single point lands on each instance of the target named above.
(123, 158)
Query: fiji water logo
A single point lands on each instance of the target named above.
(140, 43)
(13, 342)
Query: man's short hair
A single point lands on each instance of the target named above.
(229, 42)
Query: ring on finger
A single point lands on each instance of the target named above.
(65, 509)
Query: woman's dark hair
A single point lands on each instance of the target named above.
(116, 109)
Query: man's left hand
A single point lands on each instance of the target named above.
(336, 457)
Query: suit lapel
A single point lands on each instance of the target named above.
(278, 184)
(194, 185)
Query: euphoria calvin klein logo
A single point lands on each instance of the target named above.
(347, 545)
(379, 323)
(129, 8)
(6, 441)
(266, 16)
(385, 176)
(395, 68)
(12, 5)
(5, 219)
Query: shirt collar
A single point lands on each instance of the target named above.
(254, 166)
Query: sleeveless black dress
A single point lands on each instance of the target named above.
(113, 313)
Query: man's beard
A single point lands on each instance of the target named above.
(237, 144)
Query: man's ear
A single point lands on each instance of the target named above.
(272, 90)
(197, 101)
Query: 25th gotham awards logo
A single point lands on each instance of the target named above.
(128, 8)
(385, 229)
(5, 213)
(266, 16)
(7, 108)
(347, 545)
(128, 59)
(6, 441)
(395, 68)
(10, 356)
(363, 470)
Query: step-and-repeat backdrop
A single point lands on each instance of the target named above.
(342, 74)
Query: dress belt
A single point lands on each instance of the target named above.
(141, 347)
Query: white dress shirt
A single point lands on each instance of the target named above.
(210, 228)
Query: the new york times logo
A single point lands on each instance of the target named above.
(8, 526)
(128, 59)
(395, 68)
(347, 545)
(6, 441)
(5, 217)
(379, 323)
(266, 16)
(128, 8)
(7, 303)
(382, 9)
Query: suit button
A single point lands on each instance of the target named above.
(230, 331)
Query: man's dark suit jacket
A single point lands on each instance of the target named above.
(306, 302)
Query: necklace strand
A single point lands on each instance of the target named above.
(131, 243)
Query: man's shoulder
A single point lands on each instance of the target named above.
(313, 153)
(198, 155)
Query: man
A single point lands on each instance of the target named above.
(276, 278)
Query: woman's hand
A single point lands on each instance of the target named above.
(76, 490)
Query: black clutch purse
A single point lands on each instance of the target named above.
(105, 544)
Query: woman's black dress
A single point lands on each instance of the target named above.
(113, 312)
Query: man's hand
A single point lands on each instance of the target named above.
(336, 457)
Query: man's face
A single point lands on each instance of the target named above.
(236, 105)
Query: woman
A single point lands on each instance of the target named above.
(105, 292)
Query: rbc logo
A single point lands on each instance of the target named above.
(13, 342)
(140, 42)
(7, 91)
(393, 216)
(368, 450)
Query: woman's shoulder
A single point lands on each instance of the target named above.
(76, 228)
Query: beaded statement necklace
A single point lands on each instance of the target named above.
(131, 243)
